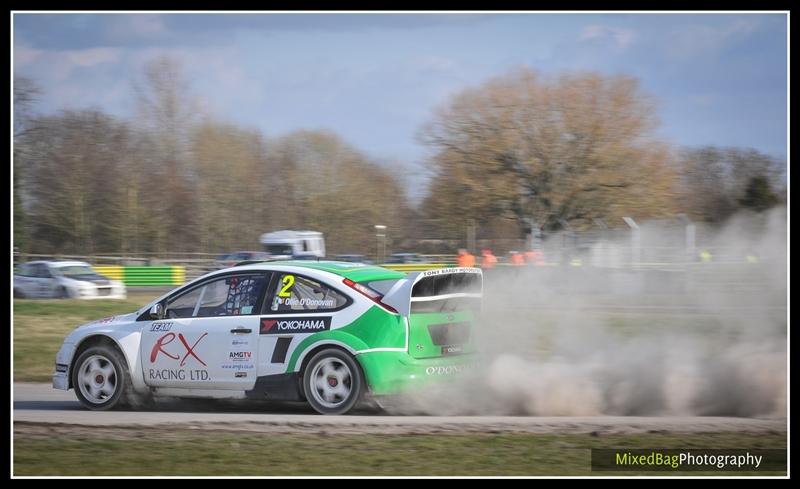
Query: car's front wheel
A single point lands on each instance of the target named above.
(100, 378)
(333, 382)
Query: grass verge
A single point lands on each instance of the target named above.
(151, 452)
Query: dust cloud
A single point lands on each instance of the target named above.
(700, 333)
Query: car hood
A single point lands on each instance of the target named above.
(93, 278)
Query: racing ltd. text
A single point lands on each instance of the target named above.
(169, 374)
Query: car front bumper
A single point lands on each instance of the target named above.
(93, 293)
(93, 297)
(63, 359)
(61, 381)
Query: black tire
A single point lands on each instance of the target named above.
(101, 379)
(18, 294)
(337, 391)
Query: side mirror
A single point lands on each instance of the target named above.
(157, 311)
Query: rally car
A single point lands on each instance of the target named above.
(64, 279)
(324, 332)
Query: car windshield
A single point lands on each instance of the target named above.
(73, 270)
(278, 249)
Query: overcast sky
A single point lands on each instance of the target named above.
(375, 78)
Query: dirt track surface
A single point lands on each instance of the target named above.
(40, 410)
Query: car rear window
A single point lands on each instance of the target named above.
(448, 284)
(381, 286)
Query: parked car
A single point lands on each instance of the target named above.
(405, 258)
(353, 259)
(64, 279)
(324, 332)
(231, 259)
(306, 256)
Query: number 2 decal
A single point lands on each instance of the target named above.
(288, 282)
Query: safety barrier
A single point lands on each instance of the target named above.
(114, 272)
(163, 275)
(415, 267)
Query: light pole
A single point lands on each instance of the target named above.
(636, 240)
(380, 232)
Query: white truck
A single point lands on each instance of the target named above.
(286, 244)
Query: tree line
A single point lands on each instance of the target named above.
(517, 151)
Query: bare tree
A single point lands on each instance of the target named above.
(715, 181)
(238, 189)
(167, 182)
(75, 186)
(570, 150)
(166, 113)
(26, 93)
(337, 190)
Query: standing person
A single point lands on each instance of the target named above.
(488, 260)
(465, 258)
(517, 259)
(470, 259)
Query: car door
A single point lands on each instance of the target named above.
(24, 281)
(50, 286)
(41, 281)
(209, 337)
(296, 307)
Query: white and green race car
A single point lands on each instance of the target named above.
(325, 332)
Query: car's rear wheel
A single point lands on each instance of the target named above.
(333, 382)
(100, 378)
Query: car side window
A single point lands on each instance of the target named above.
(294, 293)
(183, 306)
(232, 295)
(40, 271)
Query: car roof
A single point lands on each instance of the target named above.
(279, 236)
(357, 272)
(58, 263)
(67, 263)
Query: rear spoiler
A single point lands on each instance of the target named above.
(431, 285)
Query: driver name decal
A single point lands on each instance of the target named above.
(295, 325)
